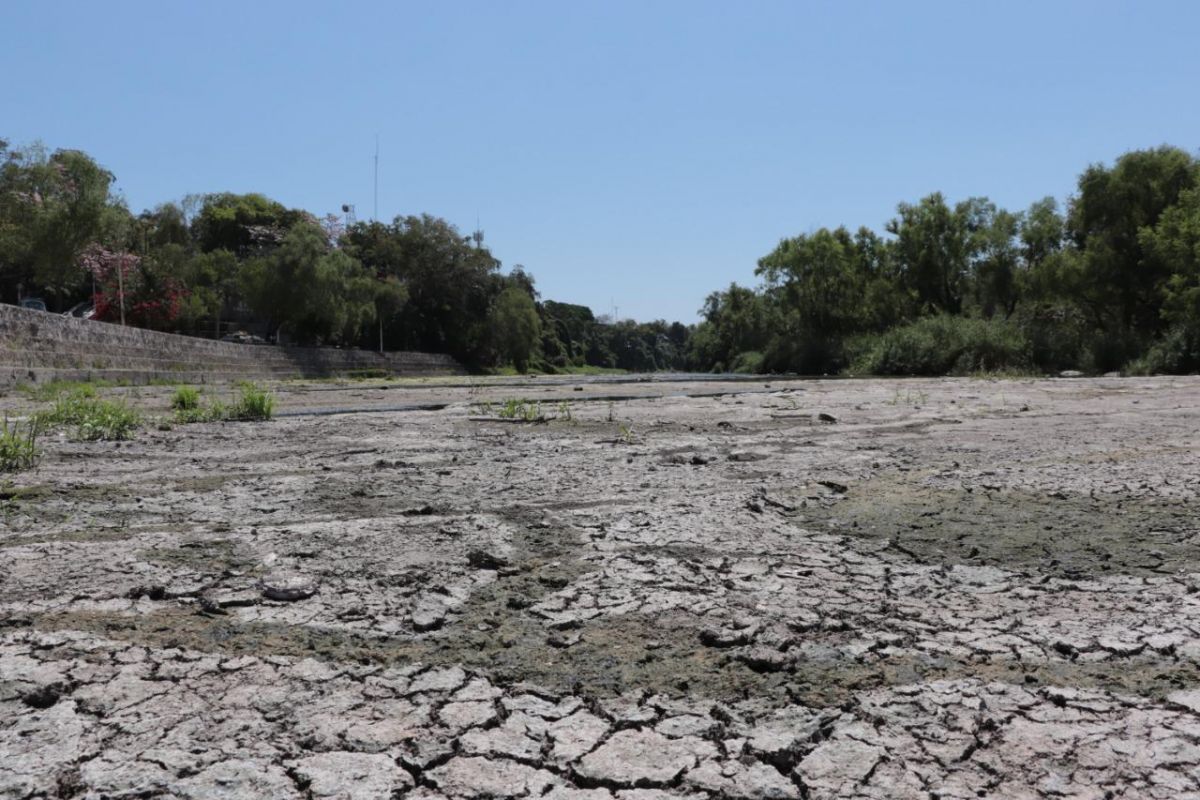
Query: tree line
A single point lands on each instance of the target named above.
(416, 283)
(1108, 280)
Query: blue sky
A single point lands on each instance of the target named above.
(637, 153)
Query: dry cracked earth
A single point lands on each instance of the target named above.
(687, 589)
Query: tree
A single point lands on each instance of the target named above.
(933, 250)
(243, 224)
(1172, 247)
(995, 255)
(517, 327)
(51, 208)
(736, 321)
(452, 283)
(319, 294)
(1106, 222)
(391, 295)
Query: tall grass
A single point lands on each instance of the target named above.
(93, 419)
(18, 445)
(253, 403)
(185, 398)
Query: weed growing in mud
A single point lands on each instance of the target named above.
(93, 419)
(256, 403)
(185, 398)
(253, 404)
(518, 409)
(18, 446)
(52, 390)
(627, 433)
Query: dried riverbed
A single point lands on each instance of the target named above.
(670, 588)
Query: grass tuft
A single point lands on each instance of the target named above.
(93, 419)
(254, 403)
(18, 445)
(185, 398)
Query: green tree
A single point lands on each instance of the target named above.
(516, 325)
(933, 250)
(1172, 247)
(452, 283)
(997, 270)
(243, 224)
(1113, 207)
(314, 293)
(51, 208)
(737, 320)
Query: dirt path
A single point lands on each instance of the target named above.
(682, 588)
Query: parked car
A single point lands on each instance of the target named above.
(241, 337)
(34, 303)
(84, 310)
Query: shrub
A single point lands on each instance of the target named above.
(255, 403)
(944, 345)
(94, 419)
(805, 353)
(186, 398)
(18, 448)
(748, 362)
(515, 408)
(1177, 353)
(109, 422)
(52, 390)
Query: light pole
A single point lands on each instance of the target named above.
(121, 284)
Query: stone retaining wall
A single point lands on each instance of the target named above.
(36, 347)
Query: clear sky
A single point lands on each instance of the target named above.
(639, 153)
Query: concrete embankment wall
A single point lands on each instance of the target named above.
(36, 347)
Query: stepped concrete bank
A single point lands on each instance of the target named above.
(36, 347)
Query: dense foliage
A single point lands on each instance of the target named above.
(1112, 281)
(224, 262)
(1108, 280)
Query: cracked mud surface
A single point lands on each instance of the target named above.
(954, 589)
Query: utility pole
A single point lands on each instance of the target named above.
(375, 215)
(121, 283)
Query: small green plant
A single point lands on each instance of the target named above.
(627, 433)
(52, 390)
(108, 422)
(18, 445)
(255, 403)
(564, 411)
(93, 419)
(511, 408)
(517, 409)
(186, 398)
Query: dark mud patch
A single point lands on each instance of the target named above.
(216, 556)
(620, 654)
(606, 659)
(1064, 535)
(84, 537)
